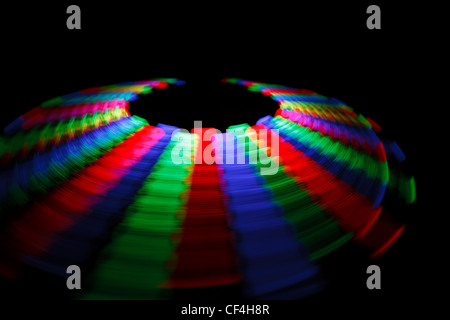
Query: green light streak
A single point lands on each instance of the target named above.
(134, 264)
(336, 150)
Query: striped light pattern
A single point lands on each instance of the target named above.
(85, 183)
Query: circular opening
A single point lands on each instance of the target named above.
(217, 105)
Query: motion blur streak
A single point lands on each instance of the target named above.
(84, 182)
(134, 264)
(206, 255)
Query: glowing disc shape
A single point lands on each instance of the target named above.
(85, 183)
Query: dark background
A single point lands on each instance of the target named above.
(324, 47)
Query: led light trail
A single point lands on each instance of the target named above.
(84, 182)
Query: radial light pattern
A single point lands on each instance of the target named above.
(85, 183)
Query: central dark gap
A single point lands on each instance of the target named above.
(217, 105)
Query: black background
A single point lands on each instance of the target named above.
(324, 47)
